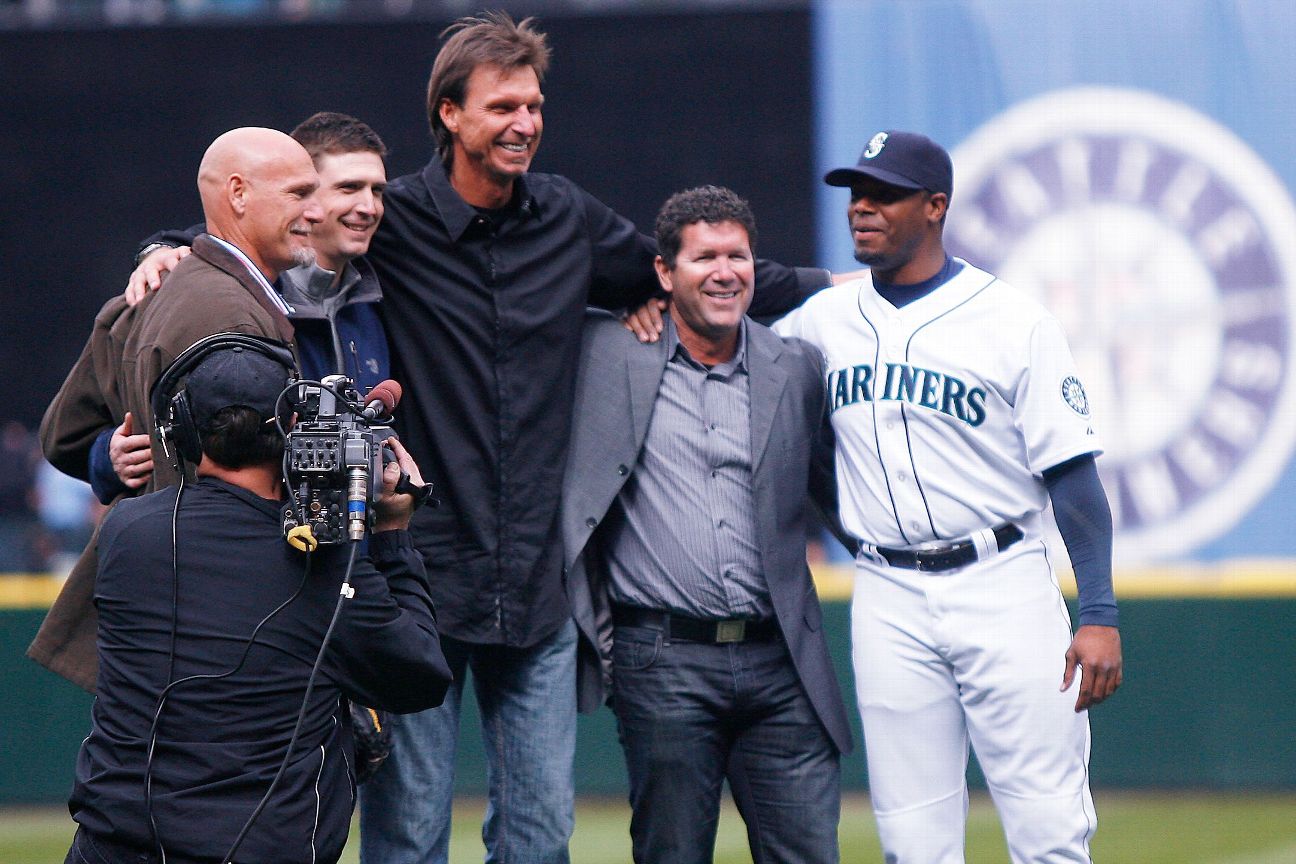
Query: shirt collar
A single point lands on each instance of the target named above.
(316, 283)
(458, 214)
(269, 290)
(676, 351)
(246, 495)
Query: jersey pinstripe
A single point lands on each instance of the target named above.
(947, 410)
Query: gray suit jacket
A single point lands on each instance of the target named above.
(616, 390)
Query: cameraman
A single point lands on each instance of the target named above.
(221, 738)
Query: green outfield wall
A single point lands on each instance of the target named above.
(1208, 701)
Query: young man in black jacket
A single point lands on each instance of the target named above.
(198, 583)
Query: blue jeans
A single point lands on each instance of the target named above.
(527, 699)
(691, 715)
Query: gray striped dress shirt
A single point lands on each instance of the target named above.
(682, 536)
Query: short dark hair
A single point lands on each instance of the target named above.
(711, 204)
(331, 132)
(238, 436)
(489, 39)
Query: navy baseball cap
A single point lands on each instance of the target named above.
(904, 159)
(235, 376)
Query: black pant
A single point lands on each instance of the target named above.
(88, 849)
(689, 715)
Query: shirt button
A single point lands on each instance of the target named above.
(713, 473)
(914, 526)
(890, 424)
(622, 470)
(591, 522)
(902, 476)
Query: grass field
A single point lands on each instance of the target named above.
(1134, 828)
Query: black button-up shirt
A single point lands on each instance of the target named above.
(484, 317)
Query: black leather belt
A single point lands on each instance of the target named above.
(948, 557)
(683, 629)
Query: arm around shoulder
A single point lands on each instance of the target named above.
(622, 271)
(87, 403)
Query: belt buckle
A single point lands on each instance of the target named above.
(925, 555)
(731, 631)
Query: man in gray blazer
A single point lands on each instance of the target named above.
(684, 524)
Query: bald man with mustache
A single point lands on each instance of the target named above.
(256, 187)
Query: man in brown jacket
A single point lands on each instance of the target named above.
(256, 187)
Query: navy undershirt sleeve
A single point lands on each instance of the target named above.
(1085, 522)
(104, 481)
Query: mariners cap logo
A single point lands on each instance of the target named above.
(875, 145)
(1074, 395)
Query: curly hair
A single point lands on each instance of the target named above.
(710, 204)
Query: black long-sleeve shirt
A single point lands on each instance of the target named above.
(484, 313)
(221, 741)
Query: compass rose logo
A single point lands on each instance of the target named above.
(1074, 395)
(1164, 245)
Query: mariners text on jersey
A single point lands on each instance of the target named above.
(901, 382)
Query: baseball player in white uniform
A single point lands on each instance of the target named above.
(959, 414)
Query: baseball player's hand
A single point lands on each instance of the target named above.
(1097, 651)
(646, 321)
(150, 272)
(131, 455)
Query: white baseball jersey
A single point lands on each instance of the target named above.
(946, 411)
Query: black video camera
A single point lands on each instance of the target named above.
(333, 461)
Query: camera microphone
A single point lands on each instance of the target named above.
(382, 399)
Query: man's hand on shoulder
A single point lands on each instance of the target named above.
(151, 270)
(1096, 649)
(646, 321)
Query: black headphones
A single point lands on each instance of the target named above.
(172, 415)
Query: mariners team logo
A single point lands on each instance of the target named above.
(1165, 247)
(1073, 394)
(875, 145)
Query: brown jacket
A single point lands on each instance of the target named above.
(209, 292)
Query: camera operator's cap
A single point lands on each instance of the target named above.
(235, 376)
(904, 159)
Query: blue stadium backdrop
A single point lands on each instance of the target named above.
(1129, 164)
